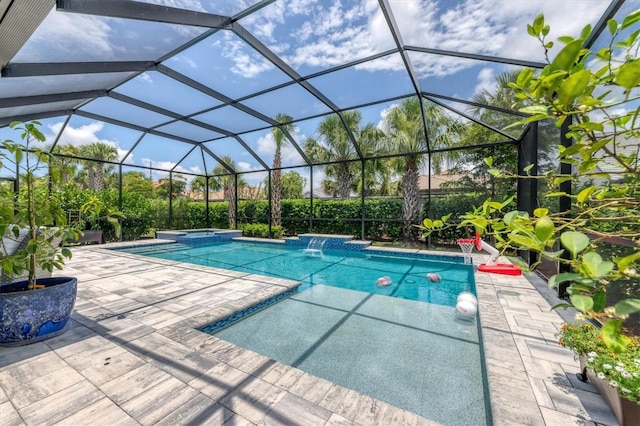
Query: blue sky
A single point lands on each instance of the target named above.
(309, 35)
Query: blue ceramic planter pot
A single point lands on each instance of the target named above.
(29, 316)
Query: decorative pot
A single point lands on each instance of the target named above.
(29, 316)
(627, 412)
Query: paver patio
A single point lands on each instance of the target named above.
(133, 356)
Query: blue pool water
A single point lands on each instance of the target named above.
(351, 270)
(402, 344)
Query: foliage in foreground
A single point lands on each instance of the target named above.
(36, 212)
(596, 94)
(621, 371)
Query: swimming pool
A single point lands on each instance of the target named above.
(402, 344)
(345, 269)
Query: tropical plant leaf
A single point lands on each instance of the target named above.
(612, 337)
(575, 242)
(627, 306)
(581, 302)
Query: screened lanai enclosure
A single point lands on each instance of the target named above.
(356, 117)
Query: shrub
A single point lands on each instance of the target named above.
(260, 230)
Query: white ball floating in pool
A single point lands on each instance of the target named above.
(466, 309)
(433, 277)
(465, 295)
(384, 282)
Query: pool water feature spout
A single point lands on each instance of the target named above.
(315, 246)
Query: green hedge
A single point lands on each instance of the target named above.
(383, 215)
(260, 230)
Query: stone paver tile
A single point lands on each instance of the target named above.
(535, 324)
(310, 387)
(133, 383)
(102, 412)
(253, 363)
(159, 401)
(61, 404)
(318, 391)
(157, 319)
(577, 383)
(11, 357)
(545, 370)
(108, 368)
(581, 404)
(553, 353)
(333, 397)
(187, 368)
(547, 317)
(199, 410)
(539, 388)
(552, 417)
(123, 329)
(76, 333)
(3, 396)
(9, 416)
(336, 420)
(349, 404)
(371, 411)
(289, 378)
(274, 373)
(93, 343)
(294, 410)
(238, 420)
(514, 406)
(521, 344)
(391, 416)
(93, 356)
(219, 381)
(30, 369)
(508, 367)
(44, 386)
(253, 399)
(519, 305)
(412, 419)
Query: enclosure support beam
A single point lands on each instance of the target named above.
(170, 200)
(564, 203)
(311, 199)
(527, 189)
(269, 204)
(36, 69)
(120, 196)
(207, 219)
(144, 12)
(235, 201)
(362, 215)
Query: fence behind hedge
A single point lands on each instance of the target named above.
(383, 216)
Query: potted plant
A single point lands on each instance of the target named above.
(616, 376)
(592, 96)
(32, 226)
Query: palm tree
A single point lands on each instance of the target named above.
(405, 132)
(276, 187)
(65, 166)
(101, 152)
(334, 145)
(222, 180)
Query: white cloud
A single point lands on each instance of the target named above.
(84, 135)
(69, 35)
(247, 63)
(347, 30)
(267, 148)
(486, 81)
